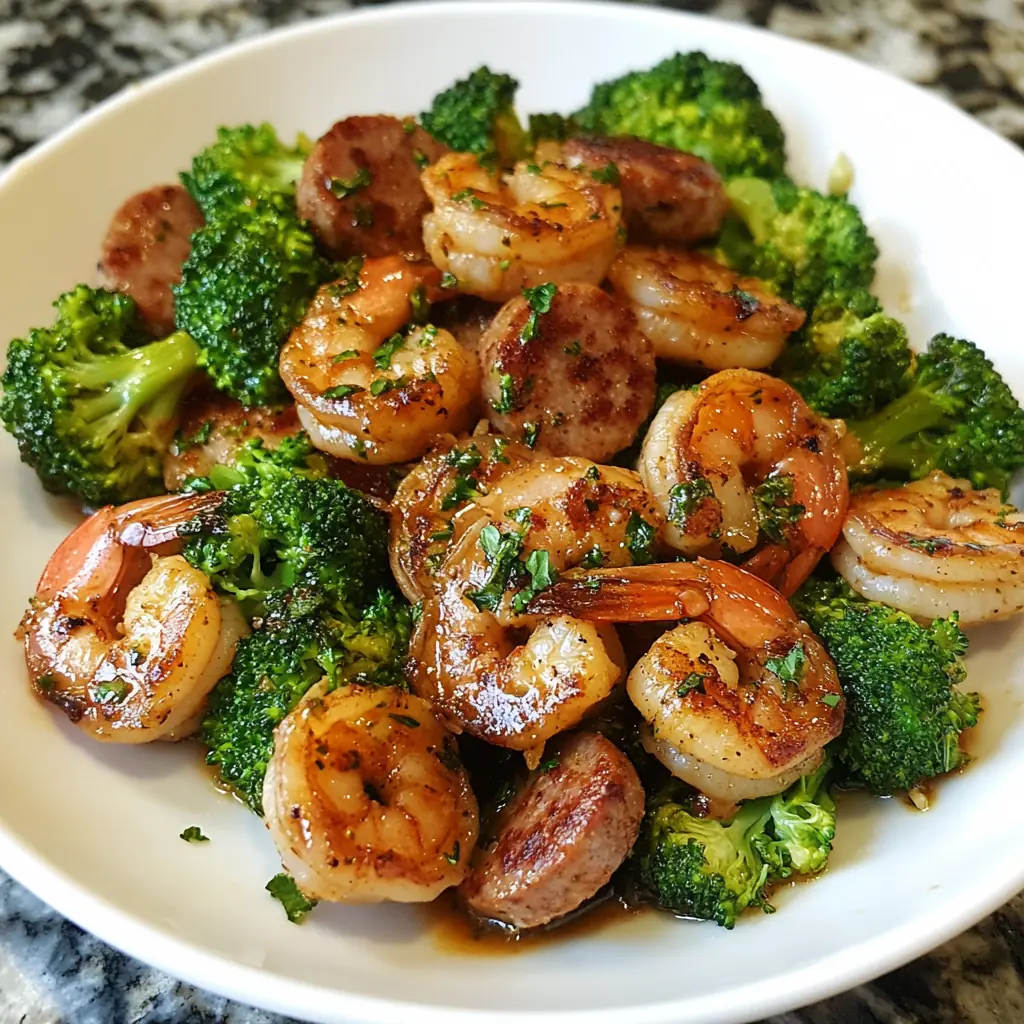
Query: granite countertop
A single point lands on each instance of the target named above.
(58, 57)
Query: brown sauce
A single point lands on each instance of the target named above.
(457, 933)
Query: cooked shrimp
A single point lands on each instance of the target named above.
(425, 502)
(369, 384)
(667, 196)
(366, 798)
(124, 636)
(580, 376)
(935, 547)
(360, 187)
(500, 233)
(741, 700)
(698, 312)
(511, 680)
(741, 464)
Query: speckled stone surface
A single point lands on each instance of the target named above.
(58, 57)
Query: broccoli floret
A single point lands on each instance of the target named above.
(904, 714)
(957, 415)
(850, 358)
(552, 126)
(689, 101)
(477, 115)
(244, 163)
(801, 243)
(277, 664)
(279, 528)
(245, 285)
(713, 870)
(92, 401)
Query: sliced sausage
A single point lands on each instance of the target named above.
(580, 380)
(360, 187)
(562, 837)
(667, 195)
(148, 240)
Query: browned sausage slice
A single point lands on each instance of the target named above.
(360, 187)
(148, 240)
(667, 196)
(562, 837)
(584, 381)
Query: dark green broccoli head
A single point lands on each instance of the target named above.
(552, 126)
(246, 284)
(850, 357)
(298, 645)
(477, 115)
(801, 243)
(690, 102)
(957, 415)
(279, 528)
(244, 163)
(92, 400)
(904, 714)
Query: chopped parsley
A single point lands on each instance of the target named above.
(607, 175)
(549, 766)
(640, 539)
(283, 888)
(421, 159)
(468, 195)
(531, 431)
(929, 545)
(691, 682)
(831, 700)
(342, 188)
(113, 692)
(542, 576)
(539, 299)
(383, 355)
(201, 436)
(382, 385)
(594, 558)
(686, 498)
(790, 667)
(407, 720)
(746, 304)
(347, 281)
(194, 834)
(506, 400)
(420, 305)
(341, 357)
(449, 280)
(342, 391)
(574, 349)
(466, 487)
(775, 508)
(453, 857)
(502, 553)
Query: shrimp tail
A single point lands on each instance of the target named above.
(639, 593)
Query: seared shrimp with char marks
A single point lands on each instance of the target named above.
(934, 547)
(741, 699)
(696, 311)
(366, 798)
(123, 635)
(741, 464)
(515, 680)
(148, 241)
(578, 376)
(501, 233)
(360, 186)
(667, 195)
(370, 384)
(451, 475)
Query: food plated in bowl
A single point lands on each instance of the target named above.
(493, 549)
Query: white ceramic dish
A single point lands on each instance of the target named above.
(94, 830)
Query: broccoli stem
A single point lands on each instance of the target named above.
(134, 379)
(891, 437)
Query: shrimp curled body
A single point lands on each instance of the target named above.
(123, 635)
(370, 386)
(366, 799)
(500, 234)
(934, 547)
(742, 464)
(741, 698)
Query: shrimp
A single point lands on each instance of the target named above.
(580, 375)
(511, 680)
(499, 234)
(698, 312)
(360, 186)
(741, 699)
(667, 196)
(369, 384)
(740, 464)
(448, 477)
(123, 635)
(366, 798)
(934, 547)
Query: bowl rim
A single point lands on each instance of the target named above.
(207, 969)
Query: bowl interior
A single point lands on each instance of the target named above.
(94, 829)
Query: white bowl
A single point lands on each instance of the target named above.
(94, 829)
